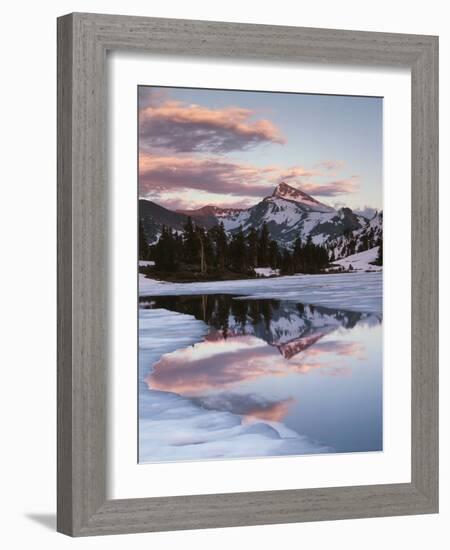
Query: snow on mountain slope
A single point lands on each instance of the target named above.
(369, 235)
(211, 210)
(286, 220)
(289, 213)
(361, 261)
(287, 192)
(234, 221)
(153, 217)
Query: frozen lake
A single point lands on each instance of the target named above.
(350, 291)
(255, 369)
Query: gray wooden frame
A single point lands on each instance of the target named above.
(83, 41)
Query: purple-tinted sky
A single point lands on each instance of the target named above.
(231, 148)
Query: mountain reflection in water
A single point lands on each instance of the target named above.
(313, 369)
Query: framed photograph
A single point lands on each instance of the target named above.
(247, 274)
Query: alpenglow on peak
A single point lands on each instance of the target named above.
(287, 192)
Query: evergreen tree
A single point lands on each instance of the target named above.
(206, 249)
(165, 251)
(178, 237)
(274, 255)
(219, 247)
(221, 242)
(191, 245)
(371, 235)
(308, 253)
(286, 262)
(379, 258)
(200, 235)
(252, 247)
(364, 242)
(143, 244)
(308, 257)
(263, 246)
(238, 251)
(297, 256)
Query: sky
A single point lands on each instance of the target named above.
(231, 148)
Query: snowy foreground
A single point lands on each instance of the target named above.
(350, 291)
(172, 427)
(361, 261)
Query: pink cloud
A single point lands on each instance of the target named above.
(248, 406)
(160, 175)
(298, 172)
(182, 127)
(331, 188)
(215, 175)
(191, 371)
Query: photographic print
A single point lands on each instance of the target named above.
(260, 243)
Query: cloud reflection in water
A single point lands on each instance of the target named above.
(250, 362)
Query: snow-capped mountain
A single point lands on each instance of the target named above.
(154, 216)
(288, 213)
(367, 237)
(290, 327)
(211, 210)
(308, 203)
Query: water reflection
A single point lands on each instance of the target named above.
(312, 369)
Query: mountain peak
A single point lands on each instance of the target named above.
(287, 192)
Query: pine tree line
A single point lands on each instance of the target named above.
(213, 252)
(305, 258)
(144, 250)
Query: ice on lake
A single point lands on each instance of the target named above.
(254, 368)
(350, 291)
